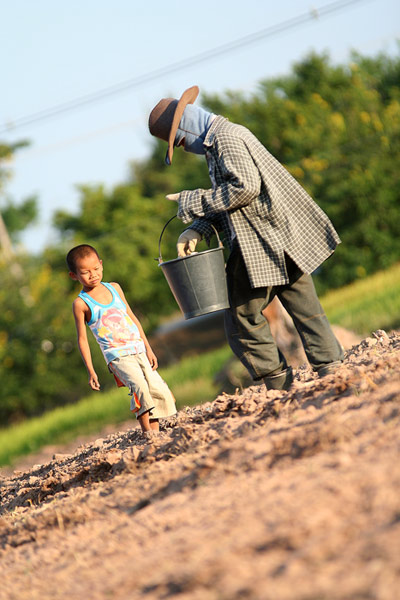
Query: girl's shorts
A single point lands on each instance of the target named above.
(148, 390)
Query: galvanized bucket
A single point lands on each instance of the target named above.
(197, 281)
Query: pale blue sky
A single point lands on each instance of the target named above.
(54, 52)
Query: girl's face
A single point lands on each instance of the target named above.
(89, 271)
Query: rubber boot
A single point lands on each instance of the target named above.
(329, 368)
(281, 381)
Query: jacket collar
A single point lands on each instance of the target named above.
(209, 139)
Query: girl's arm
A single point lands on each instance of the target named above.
(150, 354)
(83, 344)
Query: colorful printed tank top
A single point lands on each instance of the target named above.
(114, 330)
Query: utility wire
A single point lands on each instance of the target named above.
(135, 82)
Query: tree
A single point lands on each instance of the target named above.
(336, 129)
(125, 228)
(18, 217)
(16, 347)
(15, 217)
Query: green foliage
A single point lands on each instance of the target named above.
(368, 304)
(337, 130)
(39, 363)
(6, 155)
(125, 228)
(18, 217)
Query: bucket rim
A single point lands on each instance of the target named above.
(193, 255)
(160, 259)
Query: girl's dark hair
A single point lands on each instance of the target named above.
(79, 252)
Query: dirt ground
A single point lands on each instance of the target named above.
(257, 495)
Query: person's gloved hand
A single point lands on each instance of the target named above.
(174, 197)
(187, 242)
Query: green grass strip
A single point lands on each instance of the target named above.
(61, 425)
(368, 304)
(191, 381)
(364, 306)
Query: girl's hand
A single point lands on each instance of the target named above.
(94, 382)
(152, 358)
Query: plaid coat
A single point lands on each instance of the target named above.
(269, 211)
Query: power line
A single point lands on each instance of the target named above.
(84, 137)
(135, 82)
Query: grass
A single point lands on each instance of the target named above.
(363, 307)
(368, 304)
(191, 381)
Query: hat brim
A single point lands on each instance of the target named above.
(188, 97)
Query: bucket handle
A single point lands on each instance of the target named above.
(160, 259)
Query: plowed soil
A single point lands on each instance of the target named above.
(256, 495)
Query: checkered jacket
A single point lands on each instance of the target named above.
(253, 194)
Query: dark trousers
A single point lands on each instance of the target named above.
(248, 331)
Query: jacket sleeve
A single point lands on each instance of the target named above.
(241, 183)
(207, 228)
(203, 227)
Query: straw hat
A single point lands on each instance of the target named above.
(166, 115)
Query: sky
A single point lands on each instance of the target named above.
(124, 56)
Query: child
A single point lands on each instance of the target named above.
(103, 307)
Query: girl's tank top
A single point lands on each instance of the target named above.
(114, 330)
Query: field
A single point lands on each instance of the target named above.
(366, 305)
(255, 495)
(248, 495)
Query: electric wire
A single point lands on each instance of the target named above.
(141, 80)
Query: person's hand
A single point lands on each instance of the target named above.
(173, 197)
(187, 242)
(94, 382)
(152, 358)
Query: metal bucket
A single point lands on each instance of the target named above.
(197, 281)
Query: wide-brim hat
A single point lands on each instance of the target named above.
(165, 117)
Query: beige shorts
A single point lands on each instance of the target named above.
(148, 390)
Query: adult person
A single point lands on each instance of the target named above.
(277, 236)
